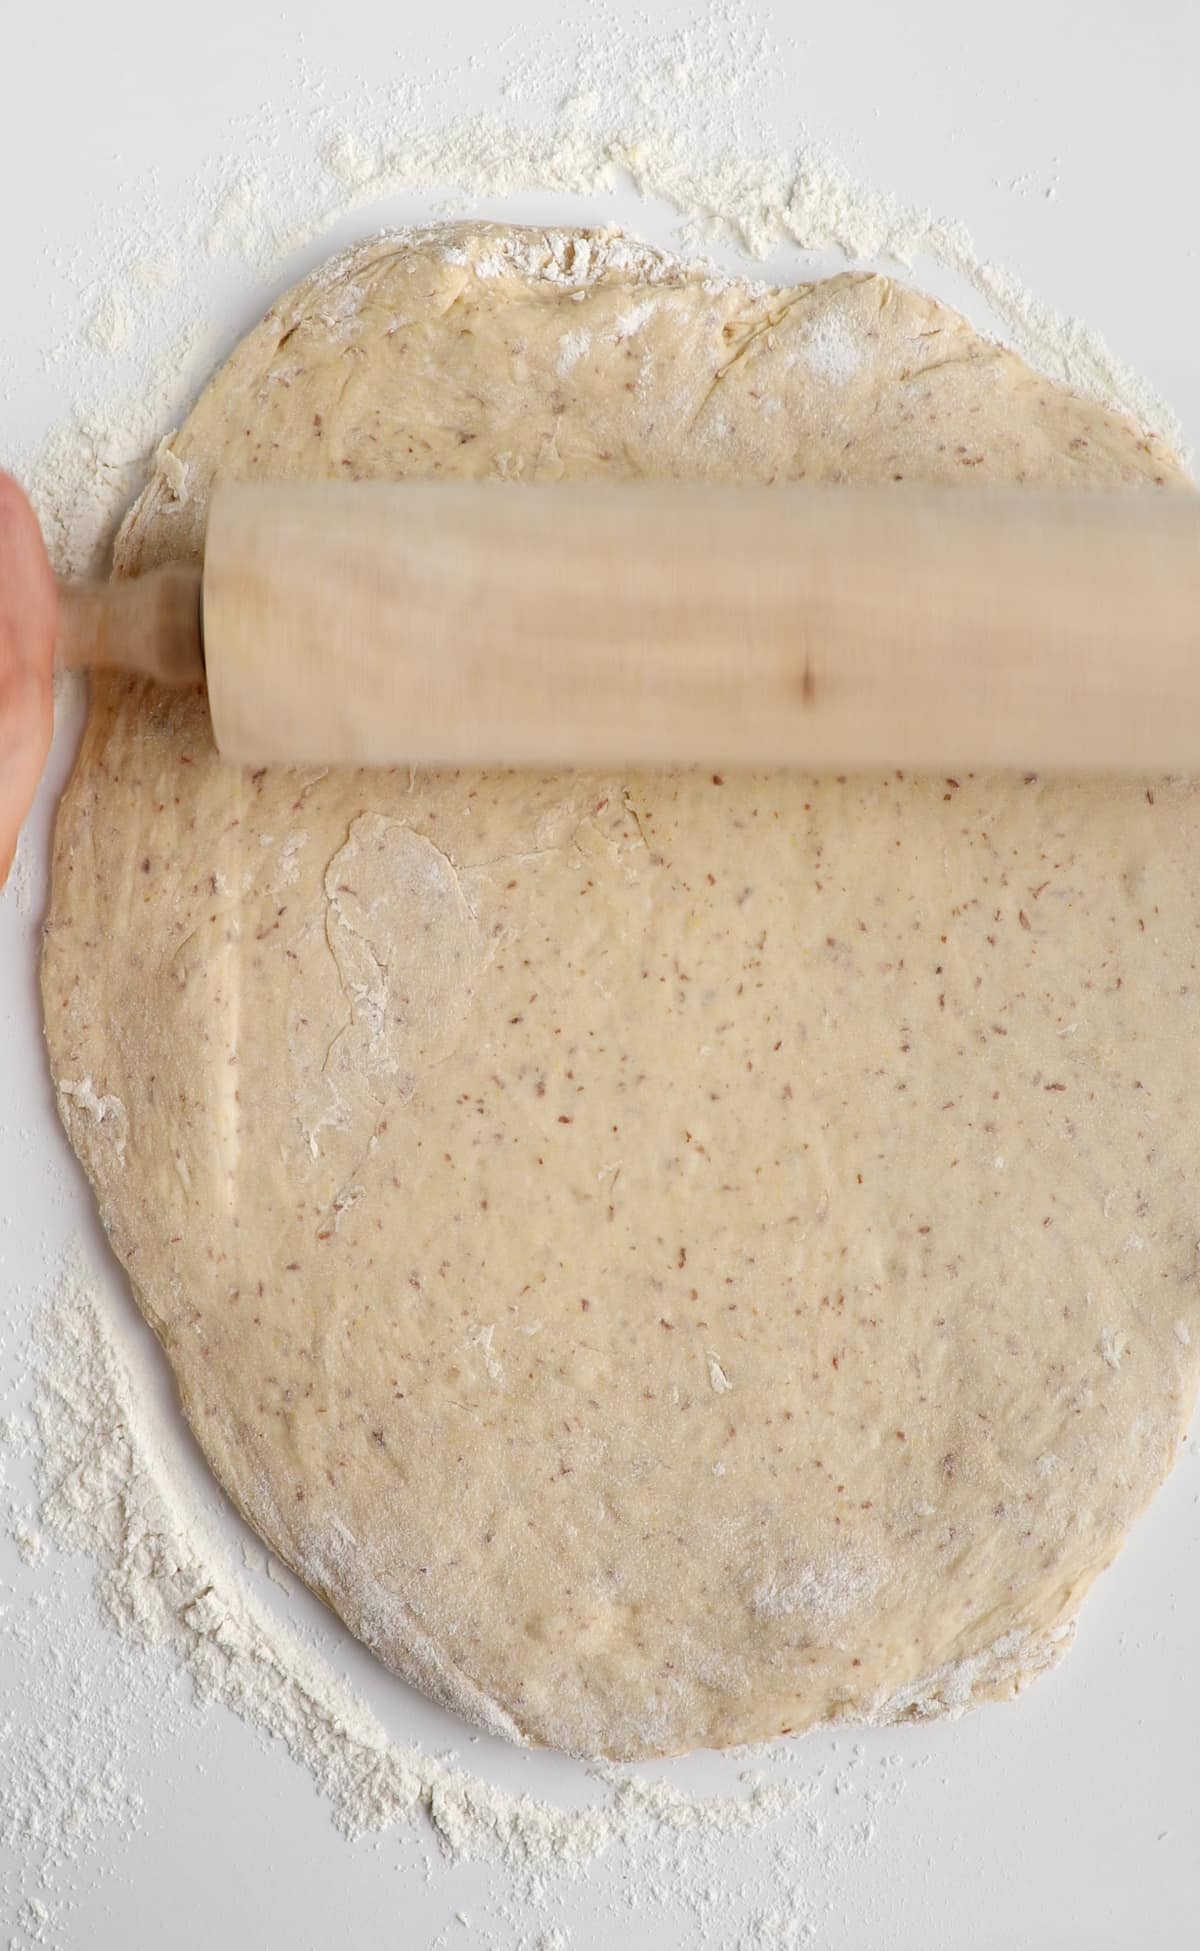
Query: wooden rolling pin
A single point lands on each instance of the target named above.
(452, 623)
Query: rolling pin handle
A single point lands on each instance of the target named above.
(147, 626)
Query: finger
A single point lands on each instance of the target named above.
(27, 594)
(27, 615)
(26, 724)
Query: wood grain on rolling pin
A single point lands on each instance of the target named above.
(441, 623)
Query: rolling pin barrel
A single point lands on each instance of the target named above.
(454, 623)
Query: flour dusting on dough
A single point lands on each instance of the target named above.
(105, 1110)
(403, 938)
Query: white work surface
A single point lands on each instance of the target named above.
(1071, 1819)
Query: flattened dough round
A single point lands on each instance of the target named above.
(672, 1258)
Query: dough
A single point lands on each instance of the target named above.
(676, 1258)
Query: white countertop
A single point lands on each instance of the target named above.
(1069, 1820)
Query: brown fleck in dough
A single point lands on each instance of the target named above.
(673, 1258)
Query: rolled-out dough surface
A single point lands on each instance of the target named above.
(670, 1258)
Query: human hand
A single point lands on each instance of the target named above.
(27, 620)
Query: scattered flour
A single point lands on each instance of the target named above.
(111, 326)
(827, 1593)
(572, 348)
(165, 1584)
(83, 478)
(831, 350)
(673, 114)
(631, 322)
(107, 1111)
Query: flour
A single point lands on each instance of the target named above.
(107, 1110)
(756, 201)
(831, 350)
(83, 478)
(631, 322)
(675, 115)
(948, 1691)
(825, 1594)
(180, 1611)
(240, 224)
(110, 328)
(572, 348)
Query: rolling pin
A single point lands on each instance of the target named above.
(440, 623)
